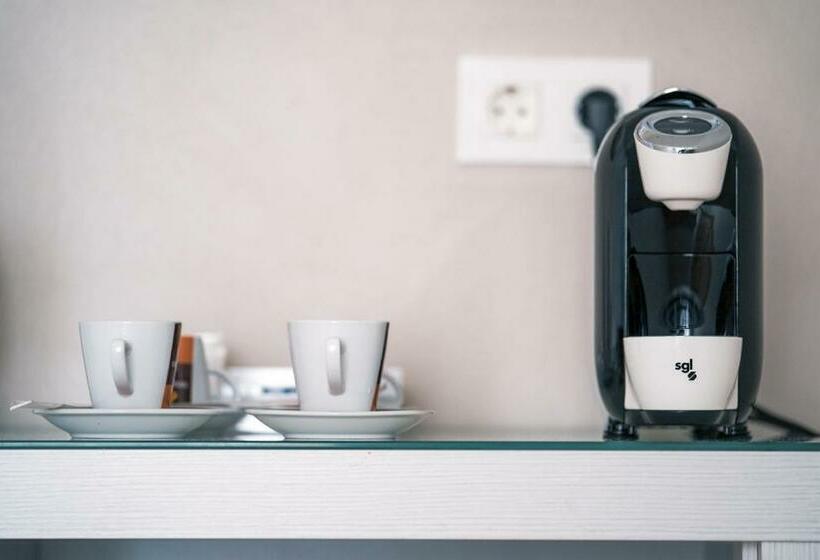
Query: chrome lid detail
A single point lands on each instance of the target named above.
(683, 131)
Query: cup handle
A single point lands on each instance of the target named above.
(388, 381)
(224, 380)
(119, 366)
(333, 354)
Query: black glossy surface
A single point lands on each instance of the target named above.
(672, 294)
(679, 98)
(663, 272)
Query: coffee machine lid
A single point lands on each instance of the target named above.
(683, 131)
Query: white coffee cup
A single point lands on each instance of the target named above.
(682, 372)
(337, 364)
(129, 364)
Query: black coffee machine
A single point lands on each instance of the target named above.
(678, 271)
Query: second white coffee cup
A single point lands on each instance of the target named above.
(337, 364)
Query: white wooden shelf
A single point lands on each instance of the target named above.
(414, 493)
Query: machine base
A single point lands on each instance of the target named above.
(706, 424)
(619, 431)
(730, 432)
(705, 418)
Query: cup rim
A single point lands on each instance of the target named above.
(677, 336)
(137, 322)
(340, 321)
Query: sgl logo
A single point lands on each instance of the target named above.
(687, 368)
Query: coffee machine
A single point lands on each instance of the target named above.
(678, 272)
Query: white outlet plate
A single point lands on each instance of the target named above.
(553, 135)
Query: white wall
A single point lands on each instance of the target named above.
(237, 164)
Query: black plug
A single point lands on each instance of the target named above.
(597, 110)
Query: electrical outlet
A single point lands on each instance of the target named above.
(515, 110)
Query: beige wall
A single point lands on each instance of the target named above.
(237, 164)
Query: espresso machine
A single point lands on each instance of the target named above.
(678, 271)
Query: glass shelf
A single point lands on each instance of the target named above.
(432, 438)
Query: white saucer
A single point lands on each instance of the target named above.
(302, 424)
(100, 423)
(218, 424)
